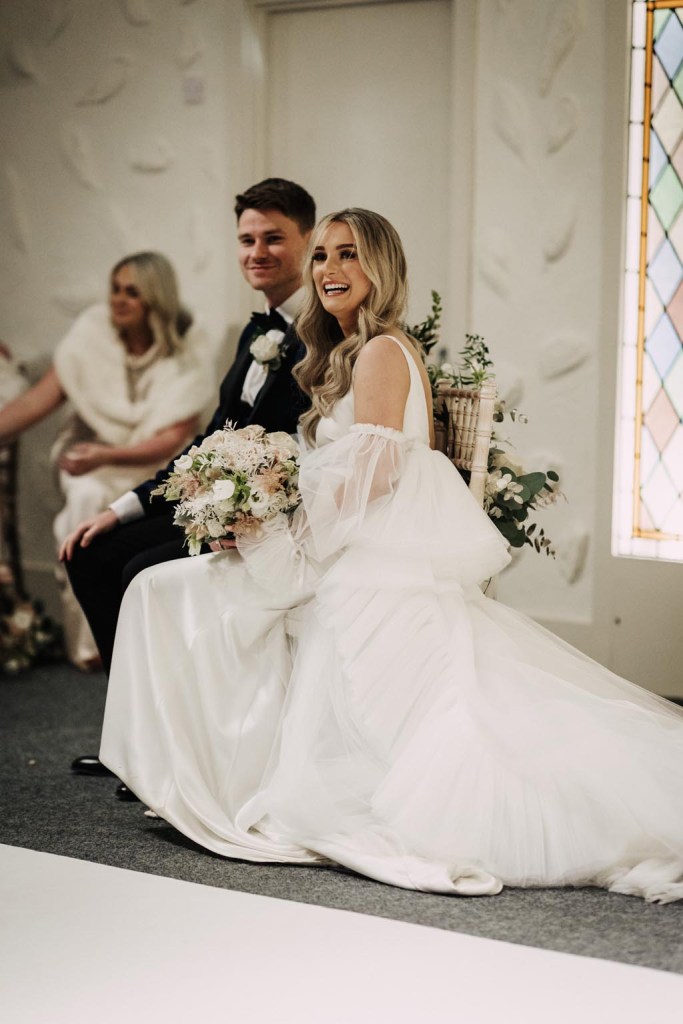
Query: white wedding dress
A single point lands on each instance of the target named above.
(342, 692)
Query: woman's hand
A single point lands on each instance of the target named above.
(223, 544)
(86, 532)
(83, 458)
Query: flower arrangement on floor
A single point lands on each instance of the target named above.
(512, 493)
(233, 483)
(27, 635)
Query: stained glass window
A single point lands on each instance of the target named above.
(648, 506)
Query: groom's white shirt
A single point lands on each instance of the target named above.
(128, 507)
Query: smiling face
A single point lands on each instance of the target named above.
(127, 309)
(271, 253)
(340, 281)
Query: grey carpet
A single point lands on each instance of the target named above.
(52, 714)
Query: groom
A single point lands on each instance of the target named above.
(274, 222)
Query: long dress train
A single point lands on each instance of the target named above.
(341, 691)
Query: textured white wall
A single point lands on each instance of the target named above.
(385, 147)
(536, 291)
(115, 121)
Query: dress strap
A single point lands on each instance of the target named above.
(414, 372)
(411, 362)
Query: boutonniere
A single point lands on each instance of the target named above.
(268, 349)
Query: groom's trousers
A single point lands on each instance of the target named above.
(100, 573)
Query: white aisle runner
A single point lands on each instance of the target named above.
(84, 943)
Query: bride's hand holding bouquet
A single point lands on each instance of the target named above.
(232, 485)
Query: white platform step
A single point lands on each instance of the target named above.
(82, 943)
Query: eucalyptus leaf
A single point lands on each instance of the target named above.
(533, 482)
(513, 536)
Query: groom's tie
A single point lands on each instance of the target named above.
(272, 321)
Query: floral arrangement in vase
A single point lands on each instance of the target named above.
(513, 494)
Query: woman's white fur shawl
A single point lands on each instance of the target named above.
(94, 369)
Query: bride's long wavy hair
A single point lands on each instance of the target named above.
(326, 370)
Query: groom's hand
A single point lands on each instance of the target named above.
(86, 532)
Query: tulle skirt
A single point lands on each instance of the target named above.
(375, 710)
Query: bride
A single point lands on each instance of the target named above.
(340, 691)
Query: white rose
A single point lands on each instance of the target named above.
(215, 529)
(183, 463)
(267, 346)
(258, 503)
(22, 619)
(279, 502)
(223, 490)
(251, 433)
(285, 442)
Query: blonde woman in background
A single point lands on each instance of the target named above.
(137, 374)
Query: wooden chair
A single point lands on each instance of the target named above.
(463, 418)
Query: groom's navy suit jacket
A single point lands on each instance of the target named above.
(278, 406)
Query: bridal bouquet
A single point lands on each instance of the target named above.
(232, 483)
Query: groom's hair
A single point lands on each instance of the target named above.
(279, 194)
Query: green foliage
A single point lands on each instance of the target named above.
(510, 498)
(427, 333)
(512, 494)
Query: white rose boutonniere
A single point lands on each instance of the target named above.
(267, 349)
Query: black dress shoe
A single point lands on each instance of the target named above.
(89, 764)
(123, 793)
